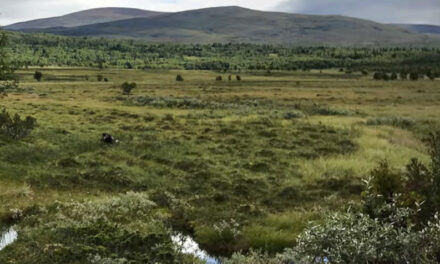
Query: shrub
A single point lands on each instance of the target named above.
(238, 77)
(38, 75)
(378, 76)
(403, 75)
(127, 87)
(179, 78)
(104, 231)
(430, 75)
(254, 257)
(218, 78)
(414, 76)
(317, 109)
(357, 238)
(400, 122)
(293, 114)
(6, 67)
(14, 127)
(385, 181)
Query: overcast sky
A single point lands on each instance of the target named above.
(388, 11)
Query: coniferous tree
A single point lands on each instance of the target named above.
(6, 69)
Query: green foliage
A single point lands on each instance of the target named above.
(380, 76)
(44, 49)
(433, 142)
(318, 109)
(386, 182)
(398, 222)
(254, 257)
(14, 127)
(401, 122)
(414, 76)
(262, 151)
(357, 238)
(6, 67)
(127, 228)
(127, 87)
(403, 75)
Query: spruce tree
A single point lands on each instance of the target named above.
(6, 69)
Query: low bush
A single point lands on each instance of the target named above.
(293, 115)
(127, 228)
(317, 109)
(14, 127)
(400, 122)
(128, 87)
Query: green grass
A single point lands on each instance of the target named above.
(269, 153)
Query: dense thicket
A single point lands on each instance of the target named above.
(45, 50)
(6, 69)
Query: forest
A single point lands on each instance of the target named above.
(49, 50)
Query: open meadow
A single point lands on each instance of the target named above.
(236, 164)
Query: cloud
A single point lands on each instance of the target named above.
(386, 11)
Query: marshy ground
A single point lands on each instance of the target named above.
(260, 157)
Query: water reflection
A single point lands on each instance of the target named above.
(189, 246)
(8, 238)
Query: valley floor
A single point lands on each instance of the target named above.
(236, 164)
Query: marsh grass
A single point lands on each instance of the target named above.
(264, 151)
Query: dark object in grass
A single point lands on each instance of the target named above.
(108, 139)
(38, 75)
(179, 78)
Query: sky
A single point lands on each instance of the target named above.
(386, 11)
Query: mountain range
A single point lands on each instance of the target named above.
(87, 17)
(230, 24)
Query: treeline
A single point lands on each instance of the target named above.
(50, 50)
(404, 75)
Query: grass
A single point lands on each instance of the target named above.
(268, 153)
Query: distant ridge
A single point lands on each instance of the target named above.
(229, 24)
(421, 28)
(87, 17)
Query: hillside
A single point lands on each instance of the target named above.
(419, 28)
(87, 17)
(236, 24)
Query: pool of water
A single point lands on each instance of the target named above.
(8, 237)
(188, 246)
